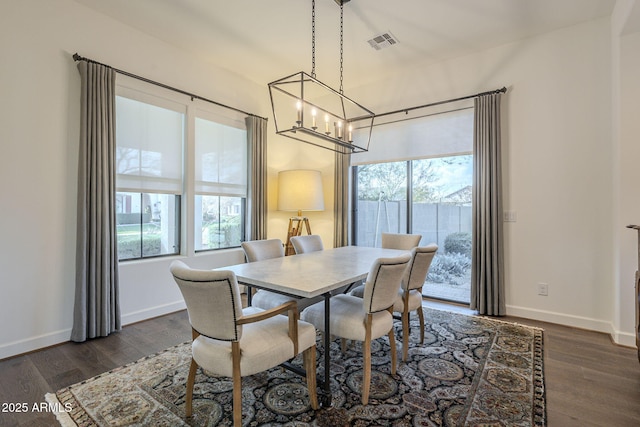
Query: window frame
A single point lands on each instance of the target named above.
(177, 241)
(152, 94)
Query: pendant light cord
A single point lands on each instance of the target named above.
(313, 43)
(313, 38)
(341, 42)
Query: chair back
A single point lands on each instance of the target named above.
(383, 283)
(212, 298)
(418, 267)
(304, 244)
(400, 241)
(258, 250)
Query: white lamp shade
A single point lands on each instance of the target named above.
(300, 190)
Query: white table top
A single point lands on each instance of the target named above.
(312, 274)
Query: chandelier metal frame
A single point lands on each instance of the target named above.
(302, 101)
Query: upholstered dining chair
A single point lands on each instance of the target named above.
(410, 295)
(400, 241)
(306, 244)
(365, 319)
(258, 250)
(235, 342)
(392, 241)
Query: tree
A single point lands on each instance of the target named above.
(425, 178)
(388, 181)
(383, 180)
(437, 179)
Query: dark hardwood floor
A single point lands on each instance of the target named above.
(589, 381)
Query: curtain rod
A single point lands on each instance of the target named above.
(433, 104)
(77, 57)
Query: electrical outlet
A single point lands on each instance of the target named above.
(509, 216)
(543, 289)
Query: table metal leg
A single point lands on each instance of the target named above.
(326, 398)
(324, 384)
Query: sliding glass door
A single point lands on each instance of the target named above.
(440, 210)
(417, 178)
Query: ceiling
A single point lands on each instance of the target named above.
(264, 40)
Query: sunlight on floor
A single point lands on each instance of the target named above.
(447, 291)
(448, 306)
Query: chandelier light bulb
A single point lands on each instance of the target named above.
(299, 108)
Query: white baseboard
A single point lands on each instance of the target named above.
(34, 343)
(624, 338)
(149, 313)
(619, 337)
(47, 340)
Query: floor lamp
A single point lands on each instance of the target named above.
(299, 190)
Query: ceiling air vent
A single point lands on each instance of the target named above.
(383, 40)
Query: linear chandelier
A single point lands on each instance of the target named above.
(307, 110)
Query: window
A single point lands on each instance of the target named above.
(441, 213)
(149, 141)
(428, 192)
(180, 165)
(382, 201)
(221, 184)
(141, 230)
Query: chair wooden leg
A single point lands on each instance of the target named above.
(191, 379)
(309, 357)
(405, 335)
(237, 385)
(366, 350)
(394, 358)
(421, 316)
(343, 344)
(392, 343)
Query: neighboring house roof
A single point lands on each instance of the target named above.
(462, 196)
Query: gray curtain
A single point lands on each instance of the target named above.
(257, 140)
(341, 198)
(487, 267)
(96, 309)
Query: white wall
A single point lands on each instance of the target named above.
(39, 128)
(628, 176)
(557, 161)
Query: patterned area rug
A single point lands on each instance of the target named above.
(471, 371)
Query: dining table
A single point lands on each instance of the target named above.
(311, 275)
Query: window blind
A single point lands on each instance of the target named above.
(220, 158)
(149, 150)
(433, 134)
